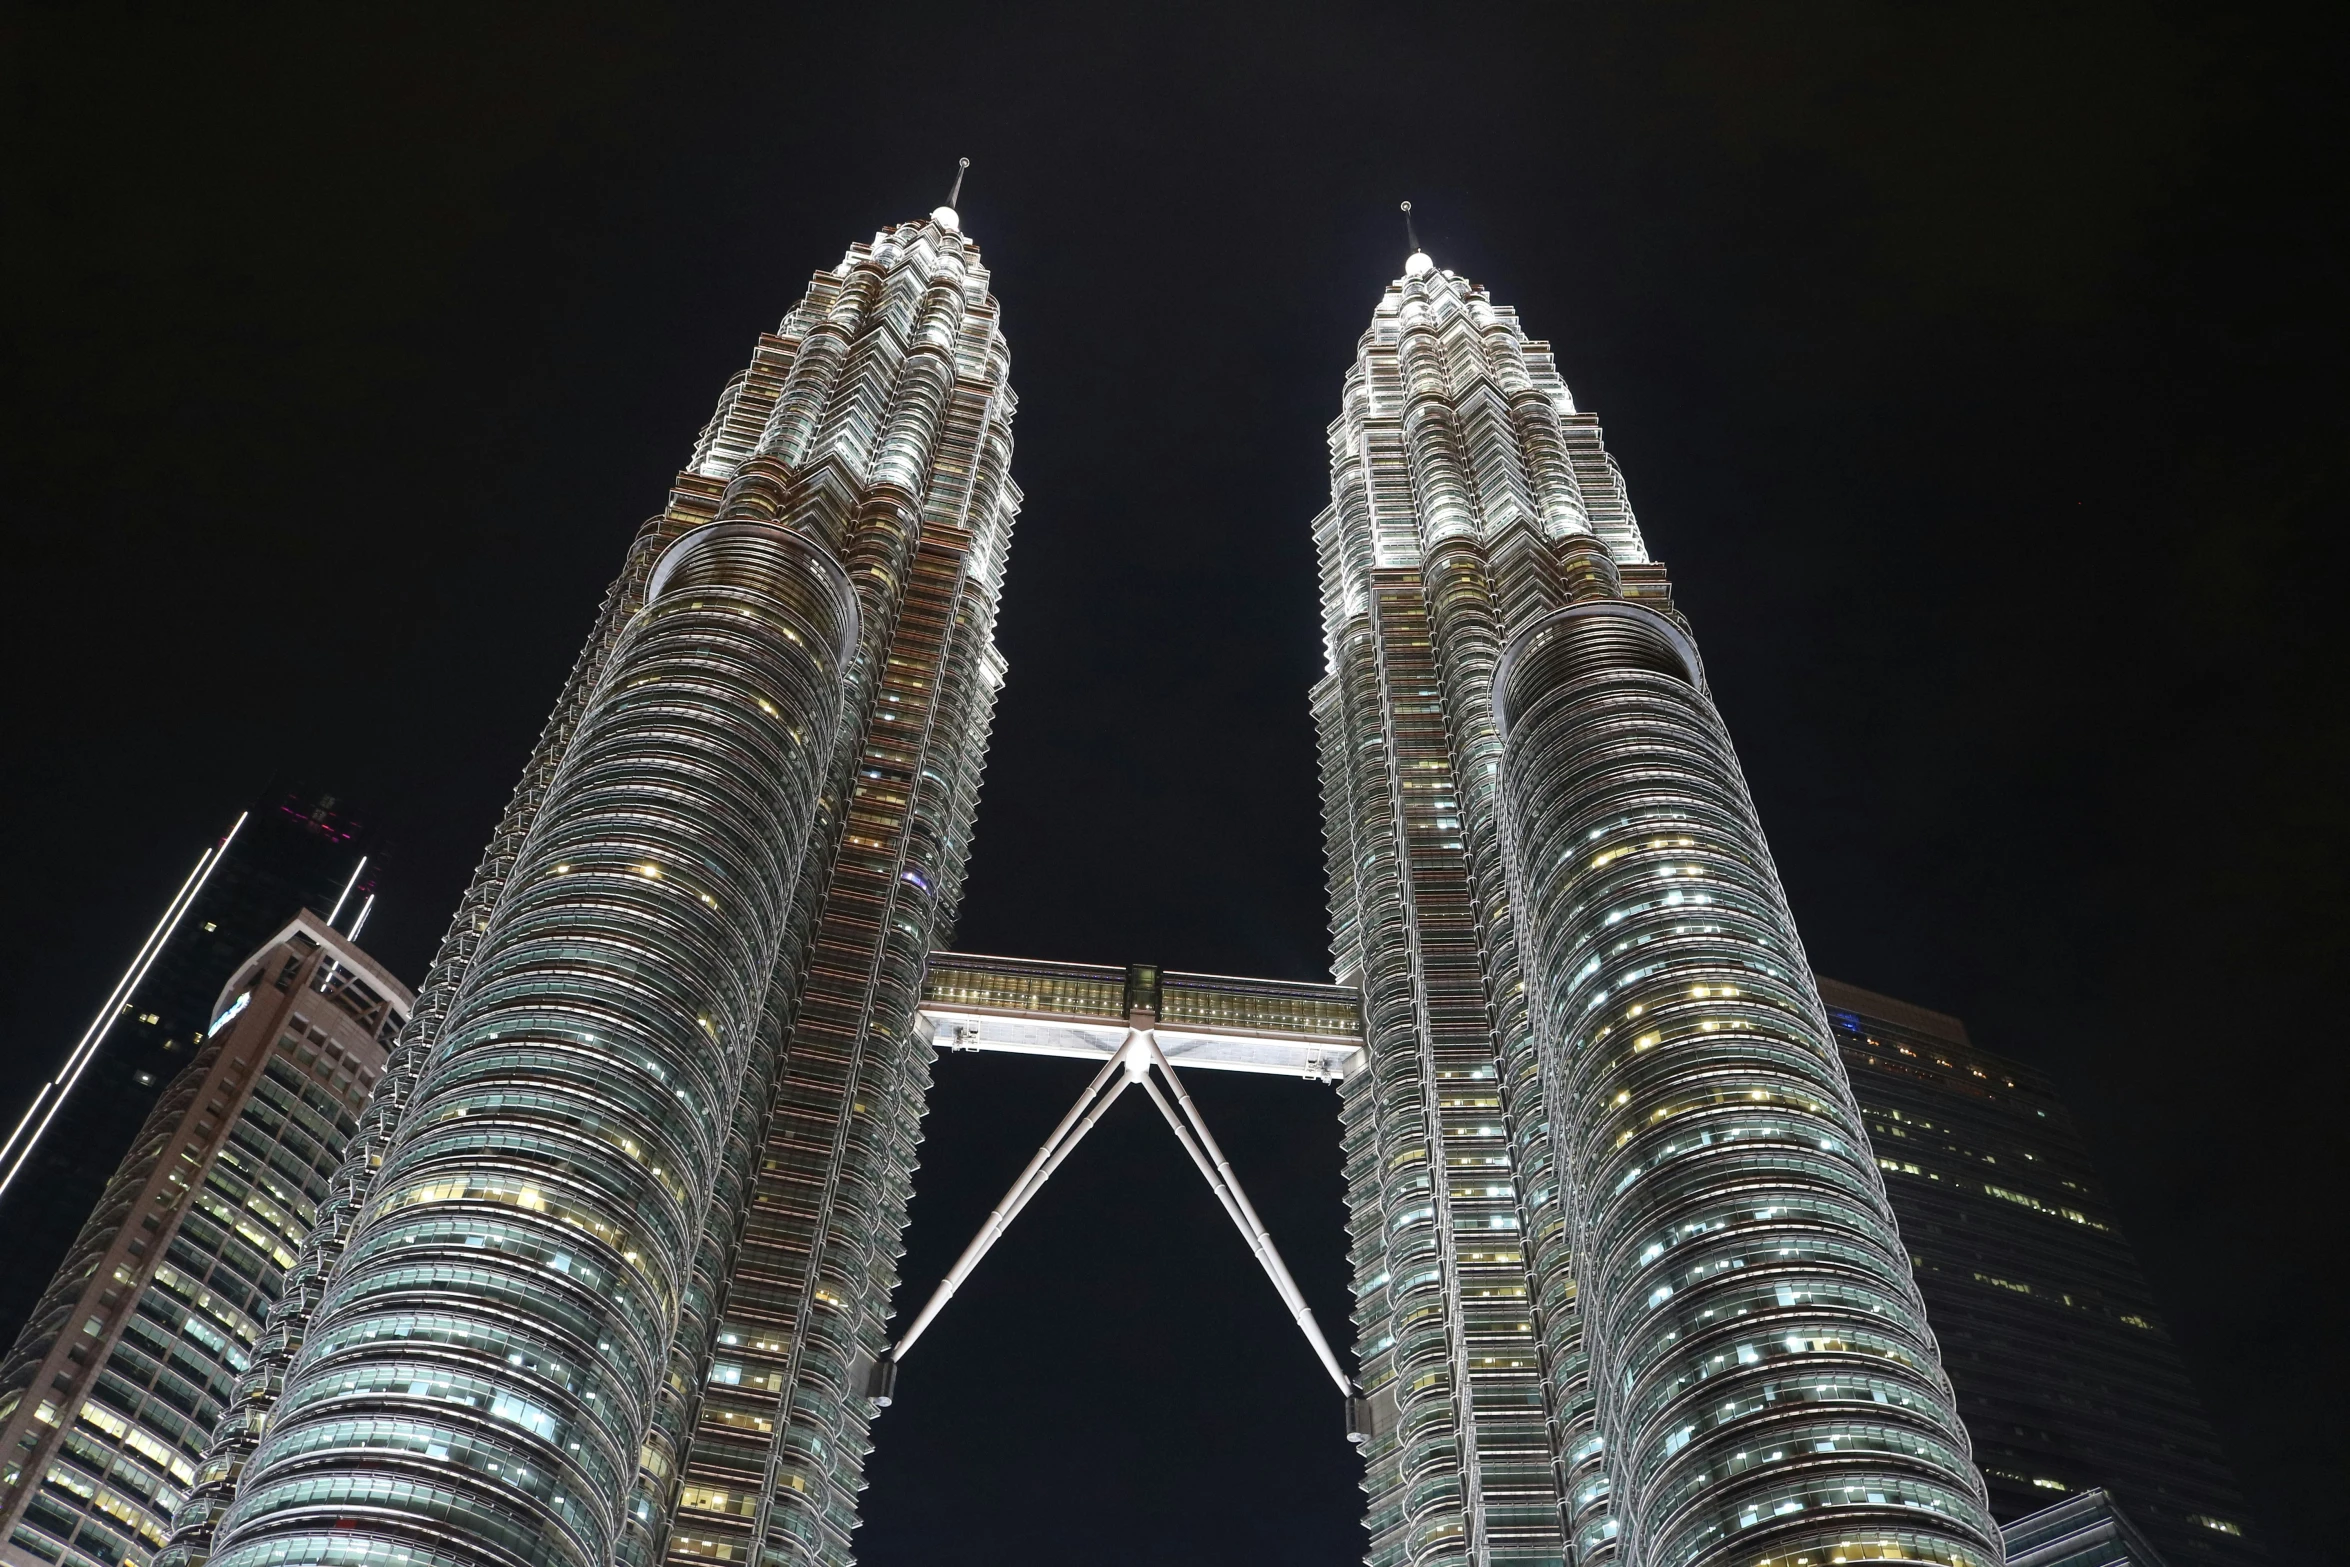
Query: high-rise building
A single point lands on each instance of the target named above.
(295, 849)
(1627, 1278)
(662, 1086)
(2067, 1378)
(111, 1393)
(604, 1275)
(2084, 1530)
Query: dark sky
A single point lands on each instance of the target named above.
(1977, 370)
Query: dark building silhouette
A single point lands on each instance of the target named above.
(2084, 1530)
(297, 848)
(2067, 1379)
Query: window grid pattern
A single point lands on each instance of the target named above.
(1457, 465)
(1766, 1385)
(160, 1310)
(1471, 501)
(876, 421)
(1095, 993)
(561, 1146)
(195, 1525)
(2068, 1380)
(780, 1436)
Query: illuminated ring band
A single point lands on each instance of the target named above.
(708, 548)
(1584, 639)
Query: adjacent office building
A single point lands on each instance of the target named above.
(296, 848)
(2087, 1529)
(110, 1395)
(2067, 1379)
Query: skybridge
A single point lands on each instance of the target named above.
(1026, 1006)
(1140, 1023)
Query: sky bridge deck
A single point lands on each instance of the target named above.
(1032, 1006)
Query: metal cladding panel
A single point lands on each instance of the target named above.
(108, 1399)
(1451, 470)
(908, 349)
(1032, 1007)
(479, 1375)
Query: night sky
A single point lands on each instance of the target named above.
(1978, 371)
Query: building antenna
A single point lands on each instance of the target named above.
(956, 193)
(1417, 263)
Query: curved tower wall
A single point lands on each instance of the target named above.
(906, 347)
(875, 425)
(1472, 504)
(479, 1374)
(1765, 1380)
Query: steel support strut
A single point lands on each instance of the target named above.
(1056, 1148)
(1201, 1145)
(1131, 1064)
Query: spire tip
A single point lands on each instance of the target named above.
(944, 215)
(1419, 260)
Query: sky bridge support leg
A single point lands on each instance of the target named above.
(1132, 1063)
(1225, 1182)
(1057, 1147)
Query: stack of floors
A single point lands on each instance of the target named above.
(660, 1095)
(112, 1392)
(1626, 1277)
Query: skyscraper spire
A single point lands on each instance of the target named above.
(603, 1279)
(1419, 260)
(945, 215)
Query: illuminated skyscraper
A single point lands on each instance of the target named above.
(295, 849)
(665, 1057)
(110, 1394)
(1627, 1280)
(605, 1275)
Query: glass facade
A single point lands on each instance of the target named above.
(774, 1437)
(1092, 992)
(111, 1393)
(480, 1371)
(2087, 1530)
(604, 1270)
(1097, 993)
(2067, 1377)
(610, 1255)
(1627, 1280)
(1765, 1383)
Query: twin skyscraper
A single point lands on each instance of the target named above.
(608, 1268)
